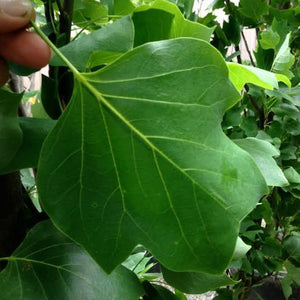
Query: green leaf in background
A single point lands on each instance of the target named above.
(263, 153)
(240, 249)
(139, 157)
(269, 39)
(115, 38)
(137, 262)
(10, 132)
(293, 272)
(48, 265)
(123, 7)
(34, 132)
(284, 59)
(253, 9)
(292, 175)
(292, 245)
(195, 283)
(232, 30)
(88, 13)
(241, 74)
(163, 20)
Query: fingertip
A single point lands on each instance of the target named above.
(15, 14)
(25, 48)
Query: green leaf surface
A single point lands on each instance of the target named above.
(263, 153)
(195, 283)
(269, 39)
(241, 74)
(293, 272)
(292, 245)
(284, 59)
(114, 38)
(253, 9)
(10, 132)
(88, 13)
(34, 132)
(163, 20)
(49, 266)
(240, 250)
(292, 175)
(133, 153)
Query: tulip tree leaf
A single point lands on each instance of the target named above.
(10, 132)
(263, 153)
(48, 265)
(284, 59)
(241, 74)
(163, 20)
(139, 157)
(115, 38)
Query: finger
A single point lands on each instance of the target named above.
(3, 72)
(15, 14)
(25, 48)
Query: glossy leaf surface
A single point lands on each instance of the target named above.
(48, 265)
(139, 157)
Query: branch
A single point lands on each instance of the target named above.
(248, 50)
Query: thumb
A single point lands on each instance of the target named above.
(14, 14)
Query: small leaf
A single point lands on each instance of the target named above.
(284, 59)
(292, 175)
(253, 9)
(263, 153)
(195, 283)
(48, 265)
(240, 250)
(269, 39)
(10, 132)
(292, 245)
(241, 74)
(293, 272)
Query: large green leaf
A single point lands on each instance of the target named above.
(263, 153)
(115, 38)
(163, 20)
(49, 266)
(10, 132)
(139, 157)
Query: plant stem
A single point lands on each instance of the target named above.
(53, 47)
(65, 20)
(248, 50)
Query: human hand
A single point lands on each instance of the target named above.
(17, 44)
